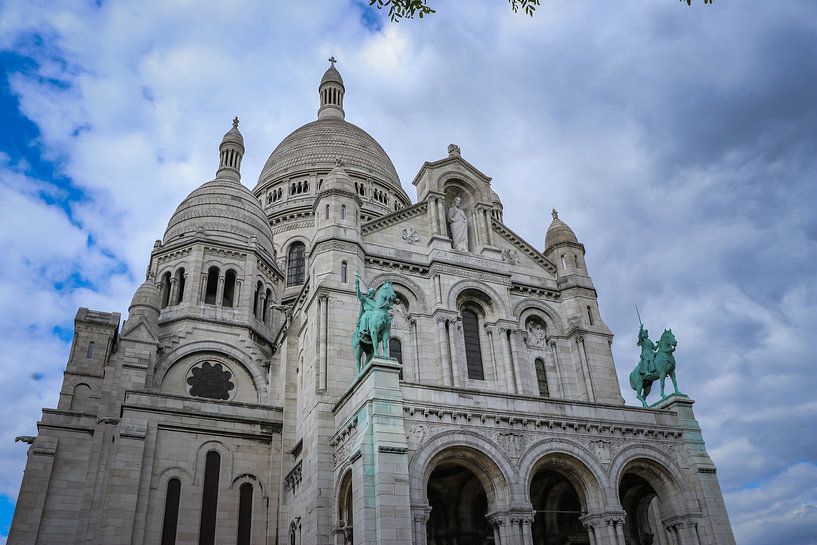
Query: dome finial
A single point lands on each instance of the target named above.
(554, 213)
(231, 151)
(331, 91)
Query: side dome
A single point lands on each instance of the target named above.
(320, 143)
(226, 211)
(338, 180)
(147, 296)
(558, 232)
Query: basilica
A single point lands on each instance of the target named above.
(229, 407)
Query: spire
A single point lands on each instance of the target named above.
(231, 152)
(331, 91)
(558, 232)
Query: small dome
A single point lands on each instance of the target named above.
(331, 75)
(495, 198)
(558, 232)
(224, 210)
(147, 296)
(233, 135)
(339, 180)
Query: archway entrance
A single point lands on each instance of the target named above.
(344, 534)
(458, 507)
(642, 525)
(558, 509)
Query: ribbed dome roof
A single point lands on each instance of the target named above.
(322, 142)
(226, 210)
(147, 295)
(559, 232)
(332, 74)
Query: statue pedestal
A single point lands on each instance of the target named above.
(380, 490)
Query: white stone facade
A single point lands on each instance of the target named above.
(227, 409)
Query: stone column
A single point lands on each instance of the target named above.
(323, 324)
(515, 361)
(174, 287)
(556, 365)
(456, 364)
(431, 215)
(220, 290)
(527, 532)
(442, 341)
(487, 217)
(416, 350)
(203, 288)
(585, 367)
(420, 514)
(504, 345)
(443, 218)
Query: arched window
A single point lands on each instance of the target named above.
(564, 262)
(227, 300)
(576, 260)
(171, 518)
(212, 286)
(209, 500)
(343, 271)
(89, 354)
(396, 352)
(296, 266)
(343, 211)
(244, 513)
(165, 289)
(326, 213)
(256, 300)
(541, 378)
(589, 315)
(473, 352)
(265, 311)
(179, 286)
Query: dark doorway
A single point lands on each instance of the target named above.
(558, 510)
(458, 508)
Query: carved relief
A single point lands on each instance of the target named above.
(512, 443)
(510, 256)
(410, 235)
(536, 337)
(399, 316)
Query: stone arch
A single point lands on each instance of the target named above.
(258, 376)
(225, 471)
(248, 478)
(527, 307)
(222, 265)
(660, 471)
(476, 453)
(462, 181)
(417, 301)
(343, 509)
(500, 308)
(160, 479)
(574, 462)
(82, 398)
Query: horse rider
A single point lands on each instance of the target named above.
(646, 365)
(367, 303)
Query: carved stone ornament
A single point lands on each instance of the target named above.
(399, 316)
(510, 256)
(536, 337)
(410, 235)
(210, 380)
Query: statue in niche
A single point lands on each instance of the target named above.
(536, 334)
(458, 222)
(399, 315)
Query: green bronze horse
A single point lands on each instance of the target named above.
(661, 366)
(374, 324)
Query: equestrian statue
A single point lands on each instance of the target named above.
(371, 336)
(656, 363)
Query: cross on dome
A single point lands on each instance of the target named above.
(554, 213)
(332, 61)
(235, 122)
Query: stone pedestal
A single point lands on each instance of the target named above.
(380, 489)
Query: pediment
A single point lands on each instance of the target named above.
(509, 242)
(138, 332)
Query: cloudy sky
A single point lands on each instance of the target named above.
(679, 142)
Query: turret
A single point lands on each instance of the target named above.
(563, 248)
(331, 91)
(231, 152)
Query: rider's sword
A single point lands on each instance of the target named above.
(639, 316)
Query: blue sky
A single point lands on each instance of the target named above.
(680, 143)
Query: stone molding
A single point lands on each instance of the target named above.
(397, 216)
(523, 246)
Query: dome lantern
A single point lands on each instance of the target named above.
(231, 152)
(331, 91)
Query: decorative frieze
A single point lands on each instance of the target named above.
(294, 477)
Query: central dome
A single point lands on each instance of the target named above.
(320, 143)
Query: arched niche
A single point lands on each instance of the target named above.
(210, 376)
